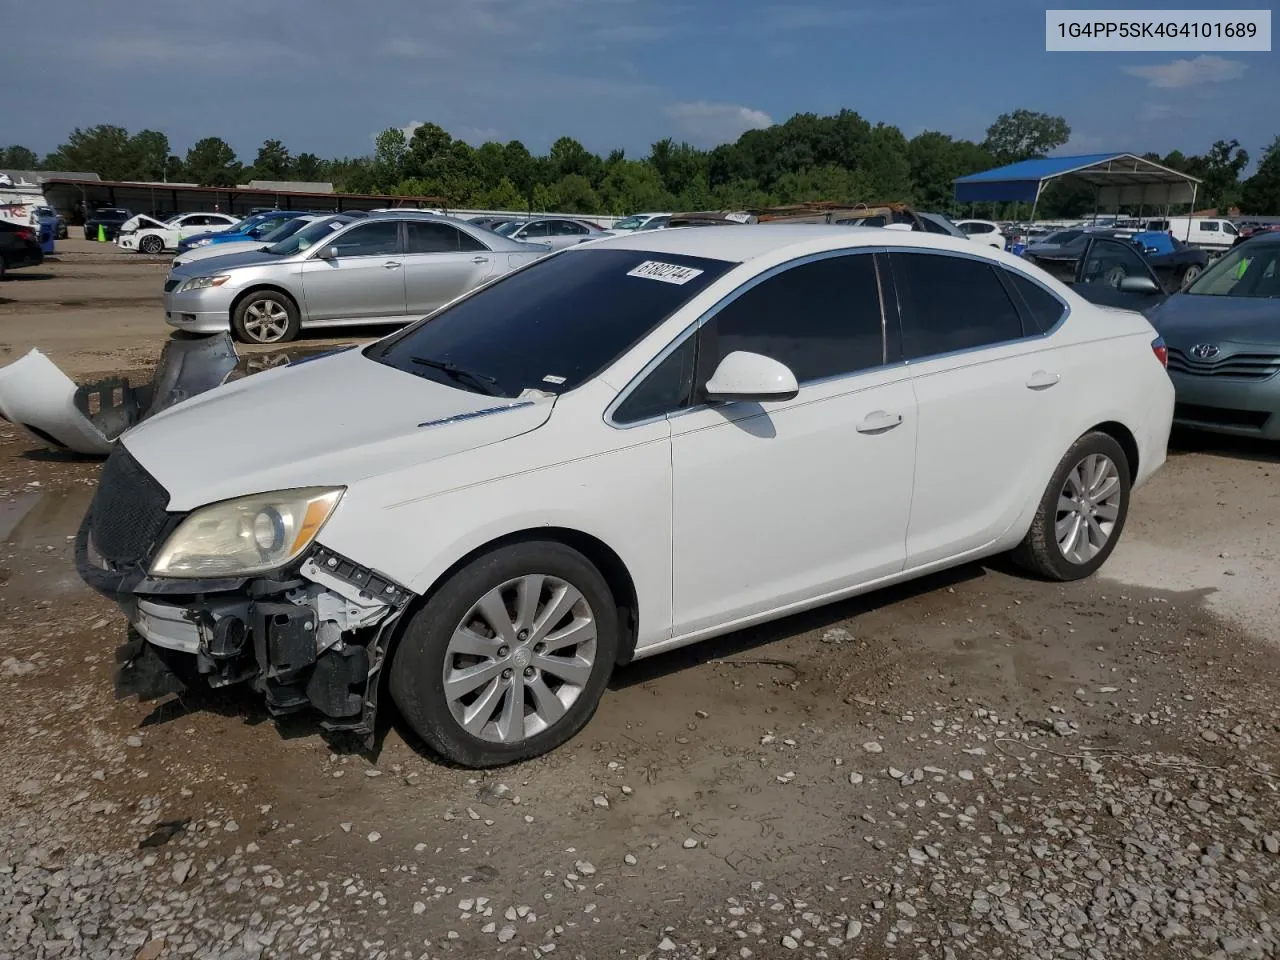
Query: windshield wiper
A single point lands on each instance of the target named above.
(485, 384)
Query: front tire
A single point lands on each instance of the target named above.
(266, 316)
(1082, 512)
(509, 658)
(151, 245)
(1189, 274)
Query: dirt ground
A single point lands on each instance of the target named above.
(975, 765)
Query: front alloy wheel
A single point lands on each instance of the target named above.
(520, 658)
(151, 245)
(508, 657)
(267, 317)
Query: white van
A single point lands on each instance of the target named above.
(1208, 233)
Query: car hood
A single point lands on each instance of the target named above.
(1186, 319)
(209, 235)
(244, 258)
(331, 420)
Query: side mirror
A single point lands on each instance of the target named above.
(328, 252)
(743, 376)
(1138, 285)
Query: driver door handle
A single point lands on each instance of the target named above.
(392, 264)
(1042, 380)
(879, 422)
(479, 259)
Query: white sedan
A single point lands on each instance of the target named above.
(149, 235)
(620, 449)
(983, 231)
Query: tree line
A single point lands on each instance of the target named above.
(843, 158)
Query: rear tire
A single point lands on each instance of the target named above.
(1190, 273)
(483, 695)
(1082, 512)
(266, 316)
(151, 245)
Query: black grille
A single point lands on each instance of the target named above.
(1220, 416)
(1239, 366)
(128, 510)
(171, 285)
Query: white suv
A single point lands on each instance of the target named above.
(982, 231)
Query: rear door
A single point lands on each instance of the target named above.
(441, 262)
(986, 382)
(365, 280)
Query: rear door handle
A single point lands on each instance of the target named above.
(479, 259)
(391, 264)
(1042, 380)
(879, 422)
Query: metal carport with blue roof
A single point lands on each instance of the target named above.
(1115, 178)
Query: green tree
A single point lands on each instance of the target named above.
(307, 166)
(1221, 174)
(632, 186)
(573, 193)
(212, 163)
(390, 150)
(518, 164)
(569, 157)
(103, 150)
(543, 199)
(1024, 134)
(428, 151)
(886, 169)
(505, 195)
(1260, 194)
(272, 162)
(18, 157)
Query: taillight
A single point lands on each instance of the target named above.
(1161, 351)
(25, 234)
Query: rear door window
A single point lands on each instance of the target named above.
(949, 304)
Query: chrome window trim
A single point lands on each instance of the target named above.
(707, 315)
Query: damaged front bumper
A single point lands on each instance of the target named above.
(313, 637)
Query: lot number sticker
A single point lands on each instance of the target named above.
(665, 272)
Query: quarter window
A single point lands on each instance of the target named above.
(539, 229)
(665, 390)
(1045, 309)
(951, 303)
(822, 319)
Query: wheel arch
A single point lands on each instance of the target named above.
(1122, 435)
(259, 287)
(600, 554)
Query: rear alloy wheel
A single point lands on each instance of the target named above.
(1082, 513)
(266, 317)
(1190, 274)
(509, 658)
(151, 245)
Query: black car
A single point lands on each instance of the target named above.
(19, 247)
(1104, 270)
(1090, 251)
(109, 219)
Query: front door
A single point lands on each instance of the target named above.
(364, 280)
(441, 262)
(779, 503)
(1103, 270)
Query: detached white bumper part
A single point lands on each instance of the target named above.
(40, 399)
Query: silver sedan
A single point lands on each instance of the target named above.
(387, 268)
(555, 232)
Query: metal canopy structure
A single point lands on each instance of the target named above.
(1115, 178)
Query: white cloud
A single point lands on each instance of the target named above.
(707, 124)
(1205, 68)
(411, 126)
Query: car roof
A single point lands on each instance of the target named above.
(745, 242)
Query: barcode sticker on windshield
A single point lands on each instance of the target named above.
(666, 272)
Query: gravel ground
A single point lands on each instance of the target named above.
(974, 766)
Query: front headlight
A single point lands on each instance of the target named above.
(246, 535)
(202, 243)
(200, 283)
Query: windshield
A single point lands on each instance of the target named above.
(247, 224)
(1250, 270)
(508, 228)
(551, 326)
(629, 223)
(307, 237)
(1060, 236)
(286, 230)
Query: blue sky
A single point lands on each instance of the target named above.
(324, 76)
